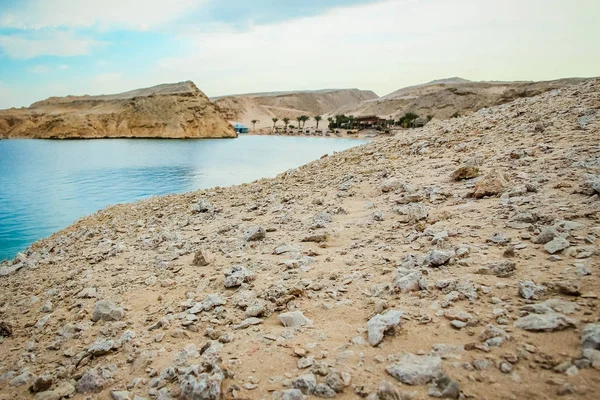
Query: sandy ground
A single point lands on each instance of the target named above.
(459, 260)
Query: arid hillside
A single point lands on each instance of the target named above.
(266, 106)
(178, 110)
(447, 97)
(460, 260)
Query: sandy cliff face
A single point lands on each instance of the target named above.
(443, 98)
(165, 111)
(265, 106)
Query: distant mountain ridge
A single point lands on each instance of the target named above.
(290, 104)
(444, 98)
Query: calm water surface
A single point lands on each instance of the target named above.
(46, 185)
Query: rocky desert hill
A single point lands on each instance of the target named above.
(445, 97)
(460, 260)
(178, 110)
(265, 106)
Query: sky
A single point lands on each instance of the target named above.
(61, 47)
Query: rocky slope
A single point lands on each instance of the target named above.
(460, 260)
(265, 106)
(165, 111)
(445, 97)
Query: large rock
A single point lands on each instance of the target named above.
(408, 280)
(237, 275)
(382, 323)
(547, 234)
(437, 258)
(416, 370)
(306, 383)
(529, 290)
(90, 382)
(591, 184)
(388, 391)
(491, 184)
(390, 185)
(254, 233)
(465, 172)
(556, 245)
(590, 337)
(177, 110)
(293, 319)
(207, 386)
(548, 322)
(101, 347)
(211, 301)
(412, 212)
(62, 390)
(5, 329)
(107, 311)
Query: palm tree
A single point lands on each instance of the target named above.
(330, 119)
(299, 119)
(274, 122)
(318, 118)
(286, 121)
(254, 121)
(304, 118)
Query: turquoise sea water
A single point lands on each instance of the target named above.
(45, 185)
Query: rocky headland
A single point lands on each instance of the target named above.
(177, 110)
(460, 260)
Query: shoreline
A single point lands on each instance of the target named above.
(274, 173)
(420, 252)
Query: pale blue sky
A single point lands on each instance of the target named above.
(60, 47)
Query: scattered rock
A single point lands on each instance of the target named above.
(465, 172)
(107, 311)
(237, 275)
(390, 184)
(306, 383)
(293, 319)
(204, 206)
(556, 245)
(503, 269)
(590, 337)
(90, 382)
(548, 322)
(416, 370)
(412, 212)
(5, 329)
(436, 258)
(529, 290)
(491, 184)
(254, 233)
(381, 324)
(200, 259)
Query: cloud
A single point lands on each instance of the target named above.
(39, 69)
(42, 69)
(387, 45)
(46, 42)
(128, 14)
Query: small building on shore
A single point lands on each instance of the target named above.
(240, 128)
(369, 122)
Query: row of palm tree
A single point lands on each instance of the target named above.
(286, 121)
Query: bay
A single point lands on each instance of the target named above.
(45, 185)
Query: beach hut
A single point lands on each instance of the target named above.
(239, 128)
